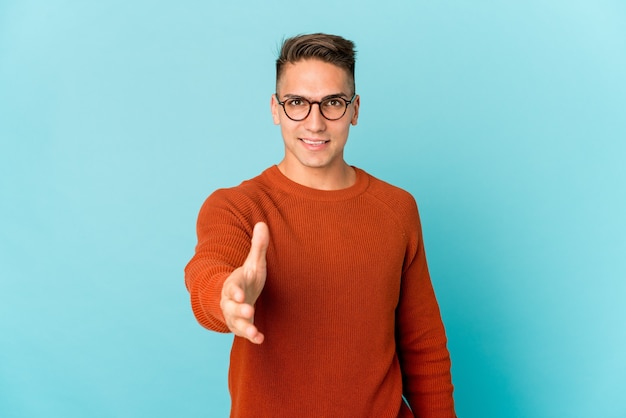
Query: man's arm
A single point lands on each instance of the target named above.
(421, 341)
(243, 287)
(227, 272)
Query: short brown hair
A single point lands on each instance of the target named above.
(332, 49)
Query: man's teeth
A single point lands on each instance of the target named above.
(308, 141)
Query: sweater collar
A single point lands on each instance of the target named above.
(279, 180)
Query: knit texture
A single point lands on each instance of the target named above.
(350, 318)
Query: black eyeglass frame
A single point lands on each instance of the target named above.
(318, 103)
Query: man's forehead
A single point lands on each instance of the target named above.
(315, 74)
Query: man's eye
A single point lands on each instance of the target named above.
(333, 103)
(296, 102)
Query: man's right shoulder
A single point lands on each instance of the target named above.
(252, 185)
(248, 190)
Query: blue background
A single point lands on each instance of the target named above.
(506, 120)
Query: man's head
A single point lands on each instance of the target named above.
(327, 48)
(315, 104)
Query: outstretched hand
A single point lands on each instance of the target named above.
(243, 287)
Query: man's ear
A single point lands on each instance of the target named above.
(355, 116)
(275, 108)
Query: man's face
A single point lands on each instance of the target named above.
(314, 142)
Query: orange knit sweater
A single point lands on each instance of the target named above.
(350, 318)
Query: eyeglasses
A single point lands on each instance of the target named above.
(299, 108)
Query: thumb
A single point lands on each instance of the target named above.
(258, 248)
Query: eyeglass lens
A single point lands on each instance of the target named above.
(332, 108)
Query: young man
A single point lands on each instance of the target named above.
(319, 268)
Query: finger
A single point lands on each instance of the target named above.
(258, 247)
(258, 338)
(245, 311)
(233, 311)
(242, 327)
(247, 330)
(253, 335)
(233, 291)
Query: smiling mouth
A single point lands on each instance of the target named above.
(314, 142)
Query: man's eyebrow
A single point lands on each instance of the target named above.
(330, 96)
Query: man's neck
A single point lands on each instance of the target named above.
(326, 178)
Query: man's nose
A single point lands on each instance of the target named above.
(315, 121)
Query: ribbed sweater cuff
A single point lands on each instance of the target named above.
(208, 299)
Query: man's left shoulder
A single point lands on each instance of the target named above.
(389, 192)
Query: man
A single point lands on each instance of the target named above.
(319, 268)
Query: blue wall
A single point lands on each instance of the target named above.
(506, 120)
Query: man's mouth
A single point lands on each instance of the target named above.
(314, 141)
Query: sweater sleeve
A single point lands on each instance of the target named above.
(223, 244)
(421, 339)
